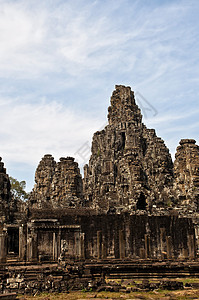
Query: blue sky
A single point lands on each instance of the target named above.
(60, 61)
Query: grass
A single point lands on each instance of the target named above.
(185, 294)
(155, 295)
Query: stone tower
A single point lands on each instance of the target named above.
(130, 167)
(5, 194)
(186, 173)
(41, 194)
(57, 184)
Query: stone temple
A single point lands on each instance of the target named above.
(134, 202)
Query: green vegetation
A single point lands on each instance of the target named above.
(187, 293)
(18, 189)
(98, 152)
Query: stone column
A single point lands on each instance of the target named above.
(162, 236)
(104, 248)
(3, 247)
(191, 246)
(82, 237)
(32, 246)
(185, 253)
(122, 244)
(197, 238)
(169, 247)
(59, 243)
(22, 243)
(55, 252)
(147, 242)
(142, 253)
(99, 244)
(29, 249)
(77, 244)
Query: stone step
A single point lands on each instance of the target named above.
(8, 296)
(148, 275)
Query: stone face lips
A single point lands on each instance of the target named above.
(129, 165)
(57, 184)
(186, 172)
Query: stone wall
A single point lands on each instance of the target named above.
(110, 237)
(95, 277)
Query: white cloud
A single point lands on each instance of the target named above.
(30, 131)
(41, 40)
(57, 49)
(37, 39)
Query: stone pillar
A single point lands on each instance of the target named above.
(122, 244)
(35, 247)
(77, 245)
(29, 249)
(147, 242)
(59, 243)
(82, 237)
(142, 253)
(185, 253)
(22, 243)
(191, 246)
(3, 247)
(55, 252)
(99, 244)
(169, 247)
(162, 238)
(197, 238)
(104, 248)
(32, 246)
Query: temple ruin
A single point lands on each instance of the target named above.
(133, 203)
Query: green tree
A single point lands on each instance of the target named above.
(18, 189)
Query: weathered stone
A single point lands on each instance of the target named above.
(57, 184)
(41, 194)
(186, 172)
(67, 184)
(5, 194)
(133, 209)
(130, 167)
